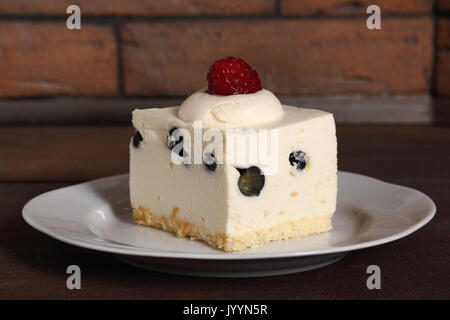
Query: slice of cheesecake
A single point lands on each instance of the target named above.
(270, 175)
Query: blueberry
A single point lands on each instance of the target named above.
(298, 159)
(251, 181)
(210, 161)
(174, 137)
(137, 139)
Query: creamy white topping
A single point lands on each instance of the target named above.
(240, 110)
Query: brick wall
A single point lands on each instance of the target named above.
(443, 48)
(158, 48)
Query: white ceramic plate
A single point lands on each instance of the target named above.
(97, 215)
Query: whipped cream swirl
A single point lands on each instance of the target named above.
(234, 111)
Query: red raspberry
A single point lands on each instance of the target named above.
(232, 76)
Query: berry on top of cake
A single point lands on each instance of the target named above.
(232, 76)
(234, 98)
(285, 187)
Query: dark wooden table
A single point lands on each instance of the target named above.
(37, 159)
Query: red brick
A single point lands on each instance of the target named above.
(443, 5)
(306, 57)
(49, 59)
(289, 7)
(444, 33)
(140, 7)
(443, 74)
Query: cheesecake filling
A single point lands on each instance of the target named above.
(234, 111)
(303, 190)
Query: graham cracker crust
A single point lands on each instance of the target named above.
(182, 228)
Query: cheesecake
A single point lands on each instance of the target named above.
(233, 167)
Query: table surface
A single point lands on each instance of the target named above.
(38, 159)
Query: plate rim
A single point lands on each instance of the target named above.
(221, 255)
